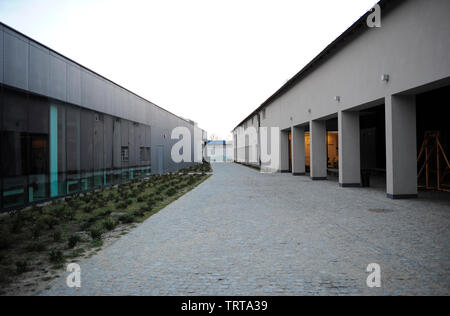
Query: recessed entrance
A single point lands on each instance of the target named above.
(433, 140)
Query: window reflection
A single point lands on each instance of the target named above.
(51, 149)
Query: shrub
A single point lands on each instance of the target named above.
(101, 202)
(16, 225)
(73, 241)
(109, 224)
(68, 214)
(21, 267)
(126, 219)
(151, 203)
(85, 225)
(191, 180)
(75, 203)
(5, 240)
(57, 236)
(36, 247)
(56, 256)
(105, 213)
(171, 192)
(96, 233)
(88, 209)
(37, 210)
(50, 221)
(140, 212)
(37, 229)
(140, 199)
(122, 205)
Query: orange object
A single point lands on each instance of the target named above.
(432, 146)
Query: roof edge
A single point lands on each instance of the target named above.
(355, 27)
(95, 73)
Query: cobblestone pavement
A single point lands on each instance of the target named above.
(245, 233)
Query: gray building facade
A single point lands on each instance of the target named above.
(65, 129)
(380, 89)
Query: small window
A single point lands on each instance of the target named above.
(264, 114)
(125, 154)
(145, 153)
(99, 117)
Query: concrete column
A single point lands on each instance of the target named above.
(401, 147)
(298, 151)
(284, 152)
(349, 149)
(318, 150)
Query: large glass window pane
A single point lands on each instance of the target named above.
(132, 144)
(98, 153)
(1, 147)
(147, 143)
(73, 149)
(38, 142)
(87, 150)
(124, 131)
(15, 116)
(14, 149)
(108, 136)
(38, 178)
(62, 184)
(117, 150)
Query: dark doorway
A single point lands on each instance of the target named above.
(373, 145)
(431, 118)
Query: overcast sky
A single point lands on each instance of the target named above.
(213, 61)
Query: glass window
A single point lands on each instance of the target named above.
(124, 132)
(117, 147)
(87, 140)
(15, 116)
(145, 154)
(98, 152)
(14, 151)
(38, 142)
(38, 162)
(1, 147)
(62, 185)
(73, 149)
(108, 142)
(125, 154)
(132, 133)
(38, 118)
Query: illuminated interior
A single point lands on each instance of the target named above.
(332, 146)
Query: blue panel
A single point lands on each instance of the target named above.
(53, 151)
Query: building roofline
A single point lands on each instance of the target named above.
(84, 67)
(354, 29)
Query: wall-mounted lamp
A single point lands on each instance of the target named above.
(309, 111)
(385, 77)
(337, 98)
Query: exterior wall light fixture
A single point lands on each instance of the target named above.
(385, 77)
(337, 98)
